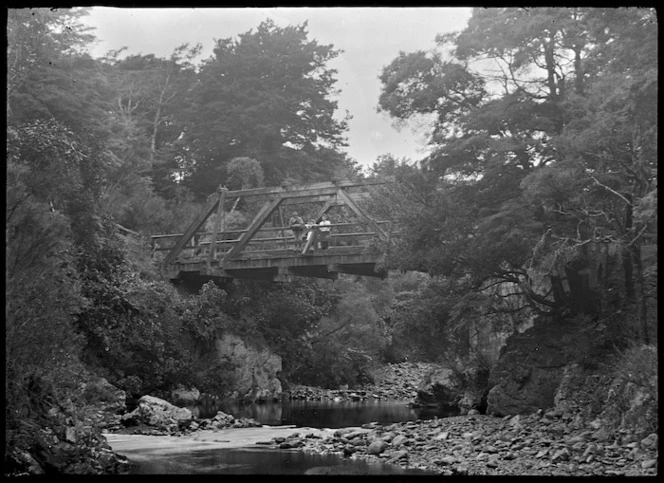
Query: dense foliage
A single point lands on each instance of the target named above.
(99, 146)
(542, 173)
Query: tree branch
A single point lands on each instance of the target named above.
(611, 190)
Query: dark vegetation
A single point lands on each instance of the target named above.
(539, 198)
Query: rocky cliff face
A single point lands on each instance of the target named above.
(529, 371)
(67, 438)
(257, 369)
(567, 364)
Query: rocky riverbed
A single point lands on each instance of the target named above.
(548, 443)
(394, 382)
(551, 442)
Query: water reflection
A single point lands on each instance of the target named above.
(260, 461)
(325, 414)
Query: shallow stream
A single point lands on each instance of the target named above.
(254, 459)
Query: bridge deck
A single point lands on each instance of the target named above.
(283, 266)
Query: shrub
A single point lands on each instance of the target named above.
(201, 314)
(632, 397)
(217, 378)
(41, 295)
(130, 324)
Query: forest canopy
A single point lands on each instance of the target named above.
(543, 164)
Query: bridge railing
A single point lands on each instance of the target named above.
(269, 241)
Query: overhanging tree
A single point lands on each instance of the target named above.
(562, 103)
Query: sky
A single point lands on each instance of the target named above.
(370, 38)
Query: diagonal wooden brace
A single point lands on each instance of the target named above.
(259, 220)
(193, 228)
(349, 201)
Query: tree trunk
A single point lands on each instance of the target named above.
(627, 261)
(578, 71)
(640, 292)
(550, 68)
(157, 117)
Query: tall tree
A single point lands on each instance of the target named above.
(557, 139)
(265, 95)
(49, 72)
(601, 191)
(146, 95)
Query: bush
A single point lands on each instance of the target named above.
(201, 314)
(217, 378)
(334, 364)
(41, 295)
(130, 324)
(635, 390)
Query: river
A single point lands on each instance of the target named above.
(325, 413)
(234, 451)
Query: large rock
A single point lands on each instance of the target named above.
(156, 412)
(441, 387)
(631, 402)
(581, 391)
(60, 442)
(530, 369)
(256, 369)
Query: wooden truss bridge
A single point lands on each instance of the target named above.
(266, 248)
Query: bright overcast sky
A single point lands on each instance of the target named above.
(370, 37)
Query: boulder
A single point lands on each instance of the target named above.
(470, 401)
(256, 369)
(531, 367)
(399, 440)
(182, 396)
(441, 387)
(399, 455)
(156, 412)
(377, 447)
(650, 441)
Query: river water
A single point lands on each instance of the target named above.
(261, 460)
(325, 414)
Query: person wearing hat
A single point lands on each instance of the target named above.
(296, 224)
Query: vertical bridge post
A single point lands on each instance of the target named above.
(221, 219)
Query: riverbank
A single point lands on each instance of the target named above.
(228, 438)
(550, 443)
(540, 444)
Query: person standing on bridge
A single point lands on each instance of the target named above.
(311, 235)
(324, 232)
(296, 224)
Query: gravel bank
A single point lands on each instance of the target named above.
(545, 444)
(394, 382)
